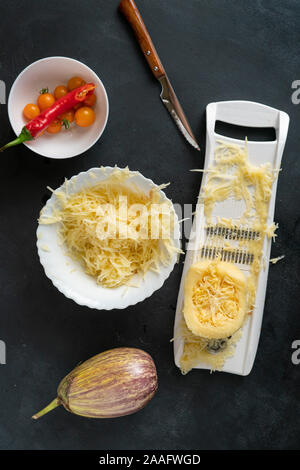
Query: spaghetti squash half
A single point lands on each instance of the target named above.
(214, 299)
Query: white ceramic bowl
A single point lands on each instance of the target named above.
(48, 73)
(69, 277)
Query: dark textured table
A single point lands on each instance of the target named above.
(212, 50)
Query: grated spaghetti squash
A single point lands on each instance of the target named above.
(114, 229)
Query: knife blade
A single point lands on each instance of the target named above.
(168, 96)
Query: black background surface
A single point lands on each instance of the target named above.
(212, 50)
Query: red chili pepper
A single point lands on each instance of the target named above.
(63, 104)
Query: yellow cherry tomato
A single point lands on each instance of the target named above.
(60, 91)
(84, 116)
(75, 82)
(45, 100)
(69, 116)
(77, 106)
(90, 100)
(54, 127)
(31, 111)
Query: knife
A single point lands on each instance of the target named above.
(168, 96)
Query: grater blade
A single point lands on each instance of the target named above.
(217, 234)
(235, 233)
(231, 255)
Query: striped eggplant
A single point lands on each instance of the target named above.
(115, 383)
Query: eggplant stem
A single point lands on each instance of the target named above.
(56, 402)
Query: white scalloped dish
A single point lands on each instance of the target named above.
(68, 275)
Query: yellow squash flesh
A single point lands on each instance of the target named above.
(214, 299)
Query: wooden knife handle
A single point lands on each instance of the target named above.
(132, 14)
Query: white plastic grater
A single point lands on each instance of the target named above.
(249, 114)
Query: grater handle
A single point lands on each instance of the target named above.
(243, 113)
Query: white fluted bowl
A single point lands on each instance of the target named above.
(68, 275)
